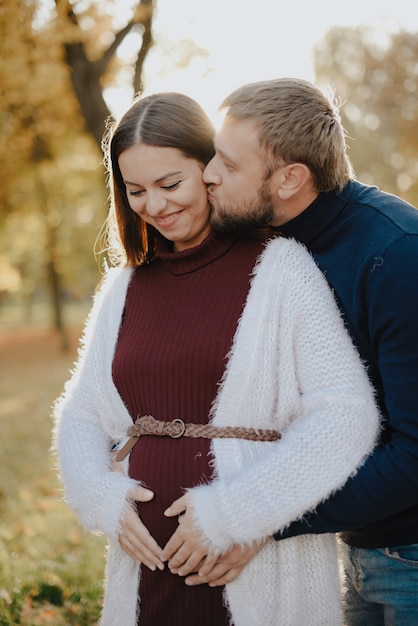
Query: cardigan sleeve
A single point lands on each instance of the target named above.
(85, 421)
(392, 471)
(335, 427)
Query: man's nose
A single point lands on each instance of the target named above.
(210, 175)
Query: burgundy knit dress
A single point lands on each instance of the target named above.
(180, 317)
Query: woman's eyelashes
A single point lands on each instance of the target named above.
(170, 187)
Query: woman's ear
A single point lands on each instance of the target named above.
(291, 179)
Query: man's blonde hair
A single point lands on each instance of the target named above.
(297, 123)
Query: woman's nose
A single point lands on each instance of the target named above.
(156, 203)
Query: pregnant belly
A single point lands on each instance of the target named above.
(168, 467)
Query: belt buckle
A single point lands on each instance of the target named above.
(182, 428)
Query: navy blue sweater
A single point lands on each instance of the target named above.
(366, 243)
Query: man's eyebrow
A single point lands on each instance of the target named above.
(224, 155)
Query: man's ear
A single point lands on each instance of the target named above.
(291, 179)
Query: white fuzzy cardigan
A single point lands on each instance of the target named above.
(293, 368)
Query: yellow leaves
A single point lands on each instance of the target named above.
(377, 73)
(51, 571)
(10, 279)
(74, 537)
(34, 615)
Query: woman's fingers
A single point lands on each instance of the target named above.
(134, 538)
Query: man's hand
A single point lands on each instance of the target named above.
(187, 548)
(135, 538)
(227, 567)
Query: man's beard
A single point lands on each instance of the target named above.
(257, 212)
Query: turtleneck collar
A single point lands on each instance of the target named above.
(212, 247)
(318, 216)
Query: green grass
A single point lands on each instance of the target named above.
(51, 572)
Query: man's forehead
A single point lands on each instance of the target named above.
(236, 134)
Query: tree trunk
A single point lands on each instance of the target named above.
(86, 75)
(55, 287)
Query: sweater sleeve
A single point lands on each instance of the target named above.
(84, 430)
(387, 484)
(330, 437)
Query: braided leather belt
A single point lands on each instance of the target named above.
(148, 425)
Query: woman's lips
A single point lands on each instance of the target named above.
(167, 220)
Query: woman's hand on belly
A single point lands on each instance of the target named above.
(187, 550)
(134, 538)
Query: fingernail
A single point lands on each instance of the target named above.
(152, 567)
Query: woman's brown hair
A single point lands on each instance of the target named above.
(168, 120)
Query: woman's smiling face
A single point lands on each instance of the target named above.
(167, 191)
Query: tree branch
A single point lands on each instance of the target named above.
(146, 44)
(86, 75)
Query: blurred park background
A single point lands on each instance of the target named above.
(66, 68)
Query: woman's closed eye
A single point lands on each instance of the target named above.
(171, 185)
